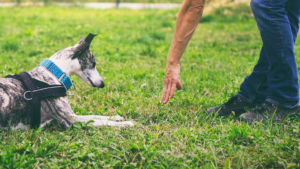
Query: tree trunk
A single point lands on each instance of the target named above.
(117, 3)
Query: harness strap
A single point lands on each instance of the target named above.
(35, 102)
(36, 82)
(44, 91)
(49, 92)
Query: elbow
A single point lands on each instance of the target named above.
(196, 8)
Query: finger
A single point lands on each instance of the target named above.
(162, 94)
(173, 88)
(167, 94)
(179, 86)
(164, 90)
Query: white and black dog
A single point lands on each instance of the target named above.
(78, 60)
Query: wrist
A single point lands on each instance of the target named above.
(172, 61)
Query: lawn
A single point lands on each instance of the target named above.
(131, 51)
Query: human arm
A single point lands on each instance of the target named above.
(187, 21)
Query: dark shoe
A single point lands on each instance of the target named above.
(234, 104)
(268, 111)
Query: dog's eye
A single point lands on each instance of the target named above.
(94, 64)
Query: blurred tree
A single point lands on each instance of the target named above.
(117, 3)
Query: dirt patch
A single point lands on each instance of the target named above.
(212, 4)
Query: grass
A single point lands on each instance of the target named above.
(131, 51)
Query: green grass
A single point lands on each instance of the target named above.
(131, 51)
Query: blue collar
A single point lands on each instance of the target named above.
(60, 75)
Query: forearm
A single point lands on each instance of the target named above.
(187, 21)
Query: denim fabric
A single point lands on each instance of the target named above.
(274, 77)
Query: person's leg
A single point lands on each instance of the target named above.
(254, 88)
(292, 7)
(276, 67)
(276, 33)
(283, 88)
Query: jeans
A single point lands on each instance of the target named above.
(274, 77)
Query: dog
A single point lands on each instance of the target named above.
(77, 60)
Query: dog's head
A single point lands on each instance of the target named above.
(79, 60)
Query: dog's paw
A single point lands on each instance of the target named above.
(117, 118)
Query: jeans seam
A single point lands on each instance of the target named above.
(288, 4)
(265, 76)
(257, 86)
(260, 81)
(280, 43)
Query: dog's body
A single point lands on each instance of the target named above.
(78, 60)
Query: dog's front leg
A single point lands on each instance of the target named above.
(60, 110)
(102, 122)
(112, 123)
(97, 117)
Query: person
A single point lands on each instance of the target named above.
(272, 89)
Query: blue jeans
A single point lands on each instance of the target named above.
(274, 77)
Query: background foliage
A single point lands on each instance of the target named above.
(131, 51)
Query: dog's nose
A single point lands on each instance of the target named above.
(102, 84)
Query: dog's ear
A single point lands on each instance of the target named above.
(83, 45)
(89, 38)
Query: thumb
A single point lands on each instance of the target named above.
(179, 86)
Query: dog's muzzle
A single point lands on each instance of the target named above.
(102, 85)
(99, 86)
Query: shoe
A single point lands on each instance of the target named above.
(268, 111)
(234, 104)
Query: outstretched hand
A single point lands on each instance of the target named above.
(171, 82)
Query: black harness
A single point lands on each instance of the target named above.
(38, 90)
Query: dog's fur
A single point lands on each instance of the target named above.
(78, 60)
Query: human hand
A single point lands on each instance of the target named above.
(171, 82)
